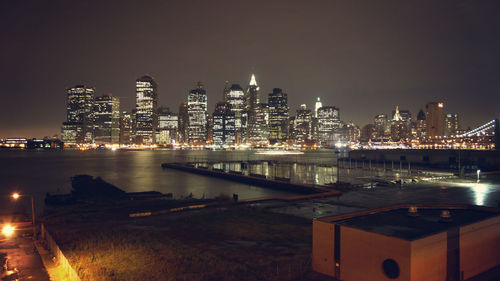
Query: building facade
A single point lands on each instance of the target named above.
(79, 125)
(183, 122)
(408, 242)
(434, 119)
(197, 115)
(146, 109)
(451, 125)
(107, 119)
(302, 126)
(168, 125)
(382, 127)
(126, 128)
(328, 125)
(224, 128)
(252, 104)
(278, 116)
(237, 101)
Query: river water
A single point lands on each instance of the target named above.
(39, 172)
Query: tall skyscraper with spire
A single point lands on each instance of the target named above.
(317, 106)
(252, 104)
(399, 126)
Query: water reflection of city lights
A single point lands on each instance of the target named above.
(279, 152)
(480, 191)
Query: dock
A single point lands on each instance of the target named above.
(252, 179)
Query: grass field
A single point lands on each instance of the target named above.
(236, 243)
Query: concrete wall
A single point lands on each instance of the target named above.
(428, 258)
(362, 254)
(479, 247)
(58, 254)
(322, 252)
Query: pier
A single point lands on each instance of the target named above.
(279, 183)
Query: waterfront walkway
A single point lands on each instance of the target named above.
(22, 260)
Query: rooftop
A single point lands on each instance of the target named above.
(395, 221)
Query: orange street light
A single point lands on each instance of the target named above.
(8, 230)
(16, 196)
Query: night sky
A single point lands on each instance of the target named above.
(364, 57)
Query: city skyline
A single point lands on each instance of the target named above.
(363, 60)
(261, 96)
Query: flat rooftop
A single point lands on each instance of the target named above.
(395, 221)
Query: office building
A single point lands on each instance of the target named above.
(261, 136)
(420, 125)
(302, 125)
(79, 125)
(328, 125)
(451, 125)
(126, 128)
(434, 119)
(252, 104)
(146, 109)
(223, 129)
(278, 116)
(350, 132)
(382, 127)
(168, 124)
(183, 123)
(107, 119)
(400, 126)
(197, 115)
(237, 101)
(317, 106)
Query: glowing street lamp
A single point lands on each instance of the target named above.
(16, 196)
(8, 230)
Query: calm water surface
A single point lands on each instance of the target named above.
(39, 172)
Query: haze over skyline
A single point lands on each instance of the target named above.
(364, 57)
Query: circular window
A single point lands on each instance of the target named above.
(391, 268)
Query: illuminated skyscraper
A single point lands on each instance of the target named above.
(399, 125)
(434, 115)
(183, 122)
(328, 125)
(146, 106)
(278, 116)
(317, 106)
(420, 124)
(125, 128)
(252, 102)
(197, 115)
(382, 127)
(168, 124)
(350, 132)
(107, 119)
(261, 138)
(302, 125)
(223, 125)
(237, 102)
(451, 125)
(79, 125)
